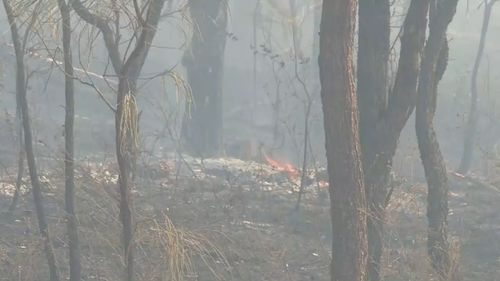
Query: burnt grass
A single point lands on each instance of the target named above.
(235, 220)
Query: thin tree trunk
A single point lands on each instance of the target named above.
(20, 160)
(382, 114)
(204, 62)
(19, 181)
(471, 128)
(126, 114)
(435, 171)
(256, 18)
(21, 91)
(69, 169)
(126, 153)
(304, 156)
(338, 92)
(316, 27)
(433, 66)
(127, 128)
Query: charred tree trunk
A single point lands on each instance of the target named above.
(373, 55)
(433, 66)
(21, 92)
(471, 127)
(204, 62)
(338, 92)
(435, 171)
(69, 166)
(384, 114)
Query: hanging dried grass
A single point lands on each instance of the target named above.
(182, 89)
(129, 126)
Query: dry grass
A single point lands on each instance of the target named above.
(179, 247)
(220, 229)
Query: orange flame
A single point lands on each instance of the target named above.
(288, 168)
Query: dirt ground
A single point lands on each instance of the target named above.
(226, 219)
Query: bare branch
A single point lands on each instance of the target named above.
(107, 33)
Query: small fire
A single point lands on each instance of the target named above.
(323, 184)
(288, 168)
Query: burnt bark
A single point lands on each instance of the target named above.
(338, 93)
(471, 127)
(204, 62)
(75, 267)
(384, 114)
(433, 66)
(21, 92)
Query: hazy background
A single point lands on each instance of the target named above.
(248, 114)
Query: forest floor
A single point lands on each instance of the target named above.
(226, 219)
